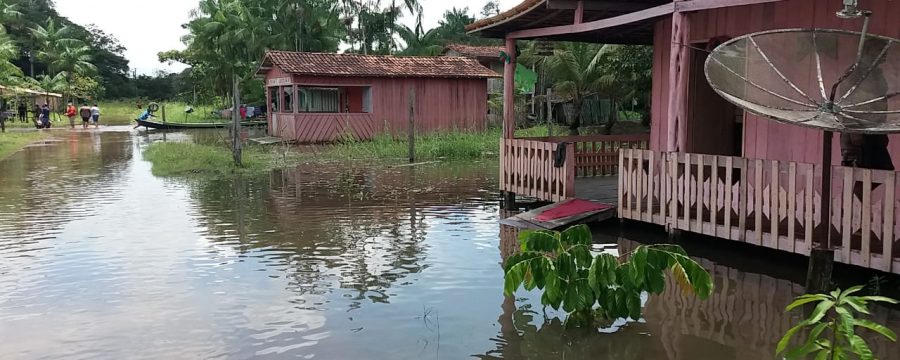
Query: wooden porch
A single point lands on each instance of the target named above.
(766, 203)
(557, 168)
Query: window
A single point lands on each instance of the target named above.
(288, 105)
(319, 100)
(344, 99)
(275, 99)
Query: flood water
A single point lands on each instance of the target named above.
(100, 259)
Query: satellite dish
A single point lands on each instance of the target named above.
(835, 80)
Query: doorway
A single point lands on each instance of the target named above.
(715, 126)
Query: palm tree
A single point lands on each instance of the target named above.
(9, 73)
(579, 74)
(9, 13)
(51, 40)
(414, 8)
(72, 59)
(418, 43)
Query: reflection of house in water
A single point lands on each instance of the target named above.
(743, 319)
(362, 227)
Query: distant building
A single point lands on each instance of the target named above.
(323, 97)
(488, 56)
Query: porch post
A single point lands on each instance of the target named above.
(509, 90)
(679, 69)
(579, 12)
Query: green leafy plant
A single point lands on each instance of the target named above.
(589, 286)
(833, 326)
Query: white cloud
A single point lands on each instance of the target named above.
(147, 27)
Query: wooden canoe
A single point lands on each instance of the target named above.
(179, 125)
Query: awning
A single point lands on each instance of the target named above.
(19, 90)
(538, 14)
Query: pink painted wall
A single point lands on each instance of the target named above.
(442, 104)
(763, 138)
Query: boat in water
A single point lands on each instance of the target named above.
(180, 125)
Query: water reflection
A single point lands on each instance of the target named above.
(100, 259)
(743, 319)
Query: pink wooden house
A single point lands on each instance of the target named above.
(707, 166)
(323, 97)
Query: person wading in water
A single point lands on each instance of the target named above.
(70, 113)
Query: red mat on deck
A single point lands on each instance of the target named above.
(571, 208)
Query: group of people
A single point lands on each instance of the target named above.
(89, 115)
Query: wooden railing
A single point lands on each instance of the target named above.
(763, 202)
(865, 211)
(527, 169)
(598, 155)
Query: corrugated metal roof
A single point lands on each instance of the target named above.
(307, 63)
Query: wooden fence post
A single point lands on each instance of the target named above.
(411, 131)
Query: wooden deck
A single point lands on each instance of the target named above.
(765, 203)
(536, 168)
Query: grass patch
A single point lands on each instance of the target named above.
(13, 141)
(177, 158)
(124, 112)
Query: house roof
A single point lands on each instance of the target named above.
(535, 14)
(308, 63)
(474, 51)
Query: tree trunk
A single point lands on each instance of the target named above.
(613, 117)
(236, 124)
(576, 116)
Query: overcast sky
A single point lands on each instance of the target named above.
(146, 27)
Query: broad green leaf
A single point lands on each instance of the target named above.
(879, 299)
(576, 235)
(514, 277)
(655, 280)
(822, 354)
(845, 325)
(541, 241)
(857, 304)
(804, 300)
(517, 258)
(582, 255)
(816, 331)
(786, 339)
(844, 294)
(633, 302)
(801, 351)
(670, 248)
(691, 276)
(881, 329)
(860, 348)
(565, 266)
(820, 311)
(552, 288)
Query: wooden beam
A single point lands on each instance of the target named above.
(695, 5)
(579, 12)
(648, 13)
(596, 5)
(679, 63)
(509, 90)
(595, 25)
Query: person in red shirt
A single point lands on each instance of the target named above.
(243, 112)
(70, 113)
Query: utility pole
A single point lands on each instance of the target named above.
(236, 123)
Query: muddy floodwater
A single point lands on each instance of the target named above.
(101, 259)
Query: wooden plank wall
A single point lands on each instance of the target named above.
(526, 169)
(764, 139)
(442, 104)
(766, 203)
